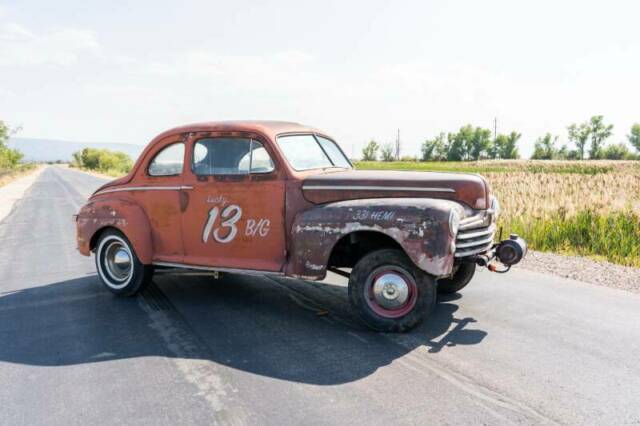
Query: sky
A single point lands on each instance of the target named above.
(124, 71)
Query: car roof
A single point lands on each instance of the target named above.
(268, 128)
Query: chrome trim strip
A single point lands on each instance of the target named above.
(475, 243)
(476, 223)
(472, 252)
(482, 232)
(375, 188)
(144, 188)
(216, 269)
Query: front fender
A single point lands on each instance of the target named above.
(419, 225)
(120, 213)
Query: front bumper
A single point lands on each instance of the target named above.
(475, 241)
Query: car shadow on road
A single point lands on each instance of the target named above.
(285, 329)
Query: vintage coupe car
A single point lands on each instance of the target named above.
(282, 198)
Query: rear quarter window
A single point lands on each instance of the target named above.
(168, 162)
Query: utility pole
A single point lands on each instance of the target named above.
(495, 128)
(398, 146)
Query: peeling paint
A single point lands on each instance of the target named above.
(422, 232)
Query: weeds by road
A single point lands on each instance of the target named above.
(9, 174)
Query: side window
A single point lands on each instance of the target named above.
(169, 161)
(230, 156)
(335, 154)
(257, 160)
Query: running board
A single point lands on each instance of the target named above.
(215, 269)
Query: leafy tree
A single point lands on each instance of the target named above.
(434, 149)
(573, 154)
(480, 143)
(5, 132)
(505, 146)
(455, 148)
(634, 136)
(370, 152)
(509, 149)
(465, 139)
(563, 153)
(9, 158)
(387, 152)
(469, 143)
(599, 133)
(616, 151)
(579, 135)
(496, 146)
(545, 148)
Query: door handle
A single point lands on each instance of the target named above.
(184, 201)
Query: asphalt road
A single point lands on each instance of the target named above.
(516, 348)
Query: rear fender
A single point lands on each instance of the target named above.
(121, 214)
(419, 225)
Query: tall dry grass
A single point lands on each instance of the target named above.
(591, 215)
(589, 208)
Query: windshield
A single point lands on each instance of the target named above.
(306, 152)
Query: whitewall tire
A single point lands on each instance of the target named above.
(118, 267)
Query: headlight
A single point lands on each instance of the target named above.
(495, 207)
(454, 223)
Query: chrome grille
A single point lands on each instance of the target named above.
(474, 236)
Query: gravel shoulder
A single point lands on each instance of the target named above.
(583, 269)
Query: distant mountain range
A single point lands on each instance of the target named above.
(54, 150)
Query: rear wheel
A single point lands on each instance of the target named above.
(459, 280)
(118, 267)
(389, 292)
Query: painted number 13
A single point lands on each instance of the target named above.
(227, 230)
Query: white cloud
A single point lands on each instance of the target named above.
(22, 47)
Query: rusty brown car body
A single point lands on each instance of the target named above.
(262, 198)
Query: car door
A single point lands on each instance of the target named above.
(157, 190)
(233, 214)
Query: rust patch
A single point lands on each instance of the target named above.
(419, 226)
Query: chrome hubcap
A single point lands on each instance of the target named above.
(390, 290)
(118, 261)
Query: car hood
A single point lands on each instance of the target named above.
(469, 189)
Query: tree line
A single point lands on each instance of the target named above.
(102, 160)
(477, 143)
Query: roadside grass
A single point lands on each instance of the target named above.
(9, 174)
(587, 208)
(614, 236)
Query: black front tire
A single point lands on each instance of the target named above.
(459, 280)
(420, 301)
(118, 266)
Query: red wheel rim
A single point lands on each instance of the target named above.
(385, 292)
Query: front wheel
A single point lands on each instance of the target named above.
(389, 292)
(118, 267)
(459, 280)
